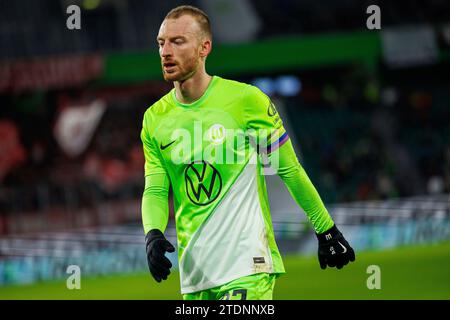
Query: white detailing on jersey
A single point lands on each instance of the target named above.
(224, 247)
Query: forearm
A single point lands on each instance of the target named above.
(301, 187)
(155, 204)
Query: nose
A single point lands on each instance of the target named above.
(165, 50)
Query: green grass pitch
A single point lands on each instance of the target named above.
(420, 272)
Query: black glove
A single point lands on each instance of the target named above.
(157, 245)
(334, 250)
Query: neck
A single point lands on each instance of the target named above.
(190, 90)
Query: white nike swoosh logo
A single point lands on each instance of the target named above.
(345, 249)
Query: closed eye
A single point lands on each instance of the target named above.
(178, 41)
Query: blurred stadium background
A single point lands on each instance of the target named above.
(368, 112)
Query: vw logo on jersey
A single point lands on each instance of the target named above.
(203, 182)
(216, 133)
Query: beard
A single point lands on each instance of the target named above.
(181, 71)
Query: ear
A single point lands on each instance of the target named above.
(205, 48)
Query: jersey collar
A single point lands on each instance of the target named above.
(197, 102)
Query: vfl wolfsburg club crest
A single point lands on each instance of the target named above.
(217, 134)
(203, 182)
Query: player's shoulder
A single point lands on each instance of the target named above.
(155, 113)
(160, 107)
(228, 86)
(233, 85)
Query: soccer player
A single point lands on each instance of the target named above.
(208, 139)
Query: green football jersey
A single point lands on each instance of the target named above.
(210, 150)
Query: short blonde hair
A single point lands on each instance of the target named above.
(200, 16)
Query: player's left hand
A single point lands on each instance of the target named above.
(334, 250)
(157, 246)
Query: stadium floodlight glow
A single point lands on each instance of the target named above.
(285, 85)
(288, 86)
(266, 85)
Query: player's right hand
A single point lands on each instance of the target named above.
(156, 246)
(334, 250)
